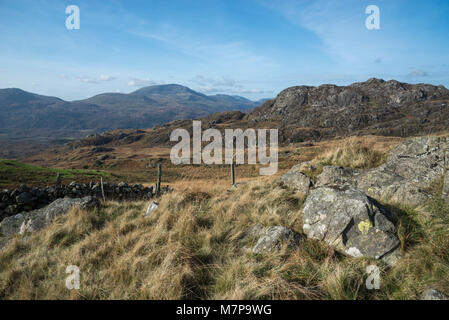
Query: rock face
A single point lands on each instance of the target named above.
(349, 221)
(38, 219)
(295, 180)
(446, 187)
(409, 170)
(433, 294)
(273, 238)
(371, 107)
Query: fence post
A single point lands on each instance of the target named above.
(102, 189)
(233, 172)
(159, 177)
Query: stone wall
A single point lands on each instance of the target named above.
(27, 198)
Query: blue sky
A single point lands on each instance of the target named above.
(252, 48)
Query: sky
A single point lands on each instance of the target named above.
(251, 48)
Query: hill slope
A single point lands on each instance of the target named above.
(142, 108)
(28, 119)
(199, 244)
(305, 113)
(372, 107)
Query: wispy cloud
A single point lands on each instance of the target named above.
(217, 82)
(417, 73)
(237, 53)
(135, 82)
(99, 79)
(207, 84)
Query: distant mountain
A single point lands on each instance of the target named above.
(307, 113)
(142, 108)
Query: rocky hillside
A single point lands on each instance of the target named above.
(304, 113)
(343, 204)
(372, 107)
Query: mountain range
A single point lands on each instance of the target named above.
(142, 108)
(300, 113)
(309, 113)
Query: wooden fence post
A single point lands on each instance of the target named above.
(232, 172)
(159, 177)
(102, 189)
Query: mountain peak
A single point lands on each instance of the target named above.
(16, 95)
(374, 80)
(164, 89)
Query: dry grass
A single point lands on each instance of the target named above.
(356, 152)
(194, 247)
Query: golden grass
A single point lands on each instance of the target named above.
(194, 247)
(356, 152)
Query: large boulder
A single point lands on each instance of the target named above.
(35, 220)
(11, 225)
(333, 176)
(350, 221)
(295, 180)
(273, 238)
(404, 177)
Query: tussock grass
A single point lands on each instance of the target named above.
(195, 246)
(353, 153)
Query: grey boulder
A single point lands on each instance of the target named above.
(295, 180)
(35, 220)
(351, 222)
(404, 177)
(273, 238)
(432, 294)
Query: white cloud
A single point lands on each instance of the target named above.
(239, 90)
(221, 82)
(417, 73)
(135, 82)
(99, 79)
(105, 78)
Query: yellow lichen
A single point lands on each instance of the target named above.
(364, 226)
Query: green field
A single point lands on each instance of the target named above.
(13, 173)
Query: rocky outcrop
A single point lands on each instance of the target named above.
(349, 221)
(295, 180)
(371, 107)
(25, 198)
(37, 219)
(273, 238)
(408, 172)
